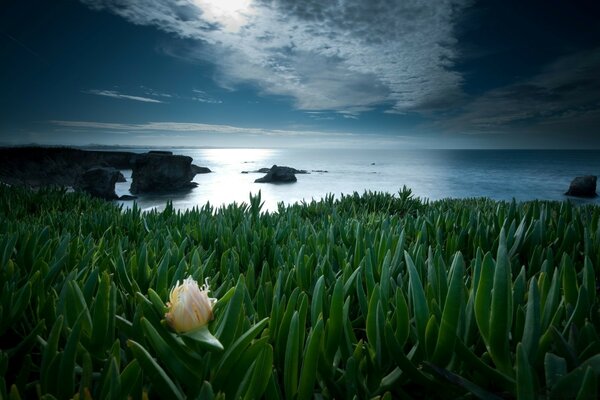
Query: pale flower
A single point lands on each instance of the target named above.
(189, 306)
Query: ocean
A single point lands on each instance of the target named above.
(430, 174)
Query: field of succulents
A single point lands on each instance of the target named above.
(367, 296)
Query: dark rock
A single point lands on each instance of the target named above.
(200, 170)
(121, 178)
(127, 197)
(162, 152)
(55, 166)
(99, 182)
(278, 174)
(319, 170)
(154, 173)
(583, 186)
(267, 170)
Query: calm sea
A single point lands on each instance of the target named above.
(431, 174)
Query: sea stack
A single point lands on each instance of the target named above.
(583, 186)
(159, 172)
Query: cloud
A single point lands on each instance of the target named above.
(335, 55)
(203, 97)
(563, 96)
(117, 95)
(192, 127)
(154, 93)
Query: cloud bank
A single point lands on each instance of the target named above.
(118, 95)
(192, 128)
(563, 97)
(346, 56)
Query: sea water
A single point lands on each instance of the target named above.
(430, 174)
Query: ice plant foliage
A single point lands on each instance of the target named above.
(366, 296)
(190, 308)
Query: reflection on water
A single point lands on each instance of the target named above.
(433, 174)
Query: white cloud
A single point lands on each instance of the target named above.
(325, 55)
(203, 97)
(193, 127)
(117, 95)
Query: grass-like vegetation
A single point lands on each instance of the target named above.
(367, 296)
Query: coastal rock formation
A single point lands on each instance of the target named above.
(154, 172)
(200, 170)
(55, 166)
(279, 175)
(583, 186)
(99, 182)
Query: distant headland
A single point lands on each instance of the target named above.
(96, 171)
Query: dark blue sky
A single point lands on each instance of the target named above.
(262, 73)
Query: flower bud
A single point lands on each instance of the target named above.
(189, 306)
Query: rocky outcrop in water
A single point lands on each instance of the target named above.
(99, 182)
(288, 169)
(155, 173)
(200, 170)
(583, 186)
(277, 174)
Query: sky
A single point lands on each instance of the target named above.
(301, 73)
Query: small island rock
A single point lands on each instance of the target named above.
(278, 175)
(583, 186)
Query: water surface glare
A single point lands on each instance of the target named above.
(432, 174)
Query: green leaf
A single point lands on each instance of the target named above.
(589, 386)
(373, 328)
(100, 315)
(420, 308)
(290, 373)
(261, 374)
(452, 309)
(334, 326)
(555, 368)
(161, 382)
(203, 338)
(501, 311)
(316, 306)
(168, 354)
(308, 374)
(227, 324)
(525, 384)
(66, 380)
(50, 351)
(469, 386)
(532, 328)
(131, 379)
(234, 352)
(483, 299)
(112, 388)
(402, 318)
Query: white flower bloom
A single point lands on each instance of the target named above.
(189, 306)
